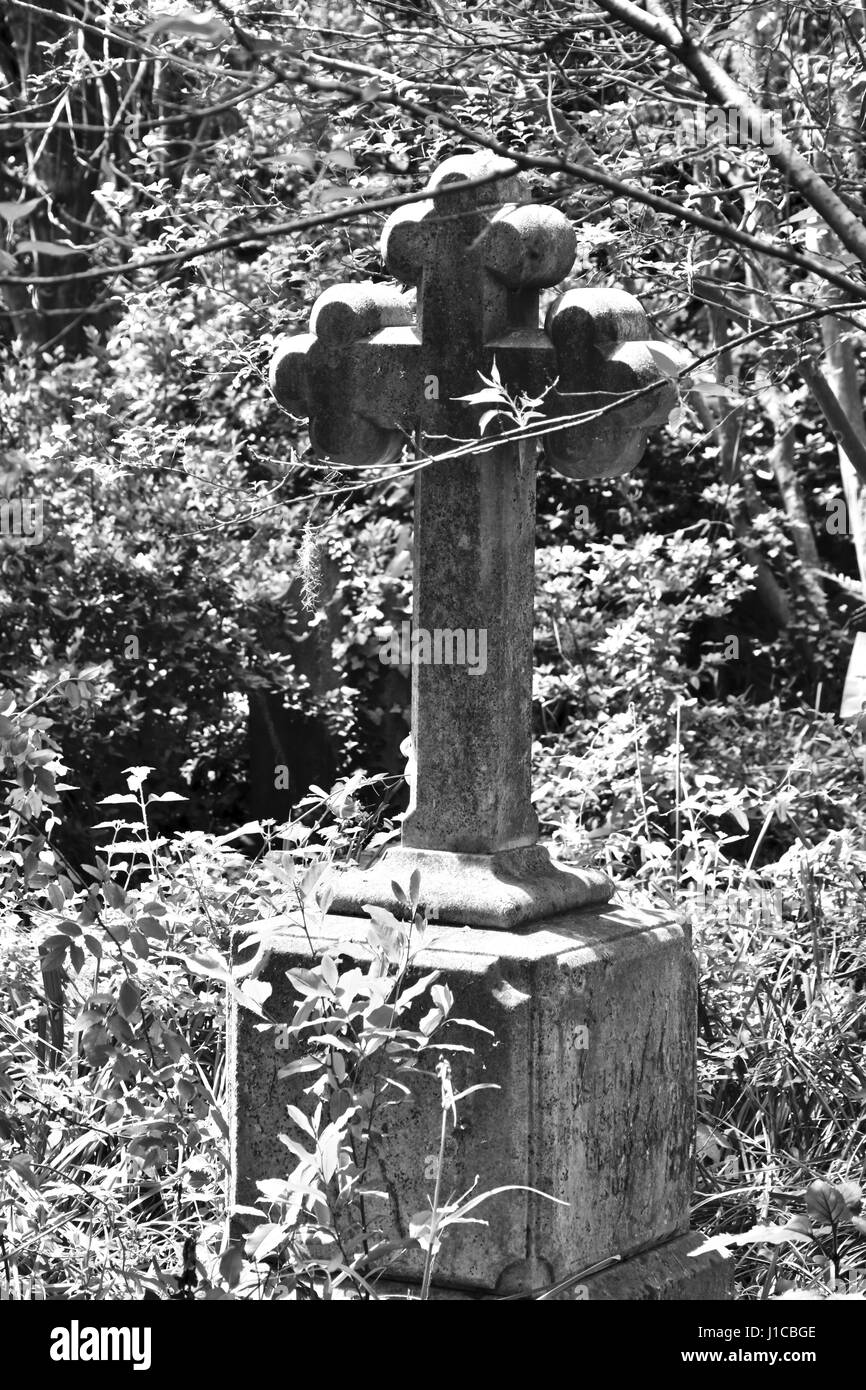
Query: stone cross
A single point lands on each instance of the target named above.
(382, 367)
(588, 1053)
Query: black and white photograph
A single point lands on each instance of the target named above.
(432, 668)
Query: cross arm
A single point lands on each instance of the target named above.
(602, 339)
(356, 374)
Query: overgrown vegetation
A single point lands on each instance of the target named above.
(177, 187)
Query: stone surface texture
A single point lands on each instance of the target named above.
(669, 1273)
(475, 890)
(592, 1017)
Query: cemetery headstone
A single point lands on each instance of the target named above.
(591, 1009)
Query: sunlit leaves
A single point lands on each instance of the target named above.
(14, 212)
(190, 24)
(826, 1204)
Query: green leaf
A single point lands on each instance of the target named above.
(275, 1189)
(265, 1239)
(138, 942)
(420, 1229)
(21, 1164)
(138, 774)
(50, 248)
(55, 896)
(442, 997)
(128, 1000)
(152, 928)
(294, 1147)
(487, 396)
(799, 1224)
(330, 972)
(385, 933)
(715, 390)
(305, 159)
(218, 1119)
(480, 1086)
(340, 159)
(211, 966)
(826, 1204)
(758, 1235)
(301, 1120)
(325, 896)
(669, 360)
(307, 983)
(303, 1064)
(488, 418)
(459, 1209)
(852, 1194)
(325, 193)
(135, 846)
(254, 992)
(310, 879)
(13, 212)
(189, 25)
(55, 943)
(413, 991)
(231, 1265)
(114, 895)
(415, 887)
(329, 1151)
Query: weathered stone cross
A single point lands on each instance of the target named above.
(379, 369)
(588, 1060)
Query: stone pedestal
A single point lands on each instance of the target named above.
(506, 889)
(592, 1015)
(670, 1273)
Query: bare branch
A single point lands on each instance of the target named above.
(723, 91)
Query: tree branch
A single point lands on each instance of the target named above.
(300, 73)
(723, 91)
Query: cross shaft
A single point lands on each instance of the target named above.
(376, 370)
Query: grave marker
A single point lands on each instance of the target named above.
(377, 369)
(591, 1009)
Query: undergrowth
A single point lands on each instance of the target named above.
(113, 1152)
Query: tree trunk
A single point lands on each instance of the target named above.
(785, 473)
(726, 431)
(58, 161)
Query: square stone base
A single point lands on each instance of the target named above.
(669, 1273)
(592, 1054)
